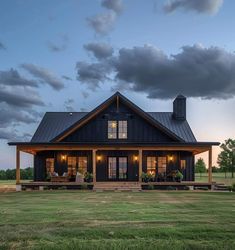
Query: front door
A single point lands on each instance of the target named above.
(117, 168)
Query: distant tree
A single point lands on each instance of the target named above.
(200, 166)
(226, 158)
(215, 169)
(10, 174)
(3, 175)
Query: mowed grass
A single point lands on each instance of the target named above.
(112, 220)
(216, 177)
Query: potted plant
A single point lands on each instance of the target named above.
(88, 177)
(145, 177)
(179, 176)
(151, 177)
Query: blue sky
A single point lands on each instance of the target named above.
(43, 40)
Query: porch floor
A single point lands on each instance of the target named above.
(115, 185)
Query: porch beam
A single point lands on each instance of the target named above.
(94, 164)
(140, 164)
(17, 166)
(210, 165)
(35, 148)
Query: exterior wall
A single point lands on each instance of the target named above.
(102, 164)
(175, 163)
(60, 166)
(139, 130)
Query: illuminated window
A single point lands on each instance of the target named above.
(50, 165)
(161, 165)
(182, 164)
(122, 129)
(151, 165)
(112, 129)
(72, 162)
(82, 164)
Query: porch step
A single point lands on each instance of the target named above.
(221, 187)
(117, 186)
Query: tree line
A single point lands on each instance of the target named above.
(226, 160)
(10, 174)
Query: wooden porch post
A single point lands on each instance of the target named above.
(94, 164)
(140, 165)
(210, 165)
(17, 165)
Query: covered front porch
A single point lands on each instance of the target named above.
(126, 164)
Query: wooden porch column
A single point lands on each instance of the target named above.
(140, 165)
(94, 164)
(17, 165)
(210, 165)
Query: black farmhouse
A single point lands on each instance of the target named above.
(117, 142)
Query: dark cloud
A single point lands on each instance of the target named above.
(102, 23)
(195, 72)
(10, 116)
(2, 46)
(60, 46)
(201, 6)
(44, 75)
(13, 78)
(93, 74)
(68, 104)
(14, 135)
(99, 50)
(115, 5)
(24, 98)
(67, 78)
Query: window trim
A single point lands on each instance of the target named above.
(112, 131)
(119, 131)
(153, 168)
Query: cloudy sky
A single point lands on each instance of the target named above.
(58, 55)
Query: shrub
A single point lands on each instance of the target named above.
(88, 177)
(179, 176)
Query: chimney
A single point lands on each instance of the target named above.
(179, 108)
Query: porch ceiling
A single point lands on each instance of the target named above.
(195, 149)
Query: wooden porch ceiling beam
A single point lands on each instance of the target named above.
(33, 149)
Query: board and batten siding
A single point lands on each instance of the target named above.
(139, 130)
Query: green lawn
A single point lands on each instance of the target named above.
(111, 220)
(217, 177)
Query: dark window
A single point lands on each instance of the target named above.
(112, 161)
(122, 167)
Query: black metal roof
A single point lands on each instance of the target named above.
(178, 127)
(54, 123)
